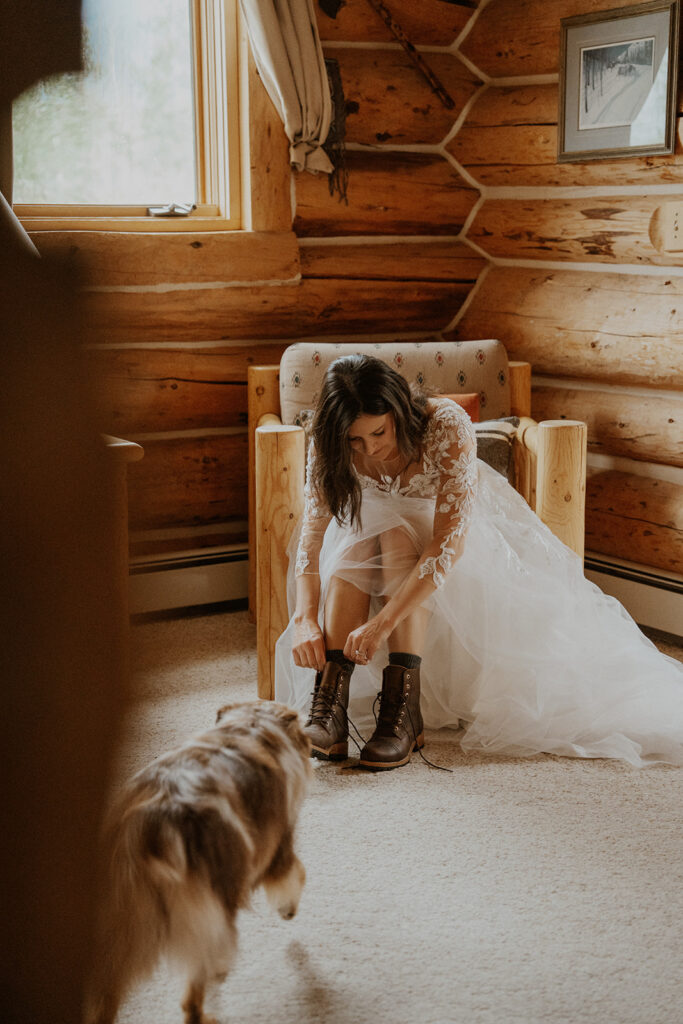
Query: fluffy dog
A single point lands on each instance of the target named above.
(188, 840)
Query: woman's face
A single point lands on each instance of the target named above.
(374, 436)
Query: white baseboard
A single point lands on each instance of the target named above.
(188, 579)
(213, 575)
(652, 596)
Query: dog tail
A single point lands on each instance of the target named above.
(201, 844)
(162, 847)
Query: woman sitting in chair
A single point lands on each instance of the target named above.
(419, 563)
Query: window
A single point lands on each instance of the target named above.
(152, 120)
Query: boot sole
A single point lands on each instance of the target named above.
(379, 766)
(337, 752)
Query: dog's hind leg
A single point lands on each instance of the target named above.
(193, 1004)
(205, 944)
(284, 880)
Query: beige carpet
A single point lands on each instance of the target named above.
(548, 890)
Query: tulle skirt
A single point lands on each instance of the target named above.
(522, 651)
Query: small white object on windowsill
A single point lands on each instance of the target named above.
(172, 210)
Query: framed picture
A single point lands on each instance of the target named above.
(618, 80)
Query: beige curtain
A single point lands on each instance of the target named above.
(284, 40)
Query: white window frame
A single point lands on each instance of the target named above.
(217, 140)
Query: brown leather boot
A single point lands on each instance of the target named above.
(327, 725)
(400, 729)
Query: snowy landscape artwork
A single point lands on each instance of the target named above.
(618, 82)
(615, 82)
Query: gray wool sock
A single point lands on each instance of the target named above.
(337, 656)
(404, 660)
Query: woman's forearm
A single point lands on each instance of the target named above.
(307, 596)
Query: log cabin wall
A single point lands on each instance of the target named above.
(574, 284)
(175, 318)
(459, 222)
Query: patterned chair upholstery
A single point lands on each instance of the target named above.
(459, 367)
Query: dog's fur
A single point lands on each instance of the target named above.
(188, 840)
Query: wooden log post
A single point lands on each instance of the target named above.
(520, 388)
(561, 480)
(524, 452)
(279, 496)
(263, 396)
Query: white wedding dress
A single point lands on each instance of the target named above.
(521, 649)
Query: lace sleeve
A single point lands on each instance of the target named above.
(451, 448)
(315, 522)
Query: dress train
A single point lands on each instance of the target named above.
(521, 649)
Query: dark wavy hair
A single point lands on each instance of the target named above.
(354, 386)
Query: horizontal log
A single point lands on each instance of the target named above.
(313, 307)
(144, 545)
(400, 261)
(635, 517)
(510, 138)
(522, 37)
(189, 482)
(119, 259)
(605, 230)
(149, 390)
(429, 23)
(623, 328)
(389, 101)
(634, 426)
(389, 194)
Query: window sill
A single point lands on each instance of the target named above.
(110, 221)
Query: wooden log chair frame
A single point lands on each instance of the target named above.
(550, 474)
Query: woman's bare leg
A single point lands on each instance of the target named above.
(409, 635)
(346, 608)
(346, 605)
(399, 556)
(400, 727)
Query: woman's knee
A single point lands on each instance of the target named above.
(362, 551)
(398, 541)
(399, 556)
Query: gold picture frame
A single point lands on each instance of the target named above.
(618, 82)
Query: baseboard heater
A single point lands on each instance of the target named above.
(653, 597)
(188, 579)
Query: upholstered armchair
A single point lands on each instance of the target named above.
(548, 463)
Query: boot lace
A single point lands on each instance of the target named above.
(325, 707)
(322, 707)
(388, 709)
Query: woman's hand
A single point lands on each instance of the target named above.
(363, 643)
(308, 648)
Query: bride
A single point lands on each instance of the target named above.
(421, 566)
